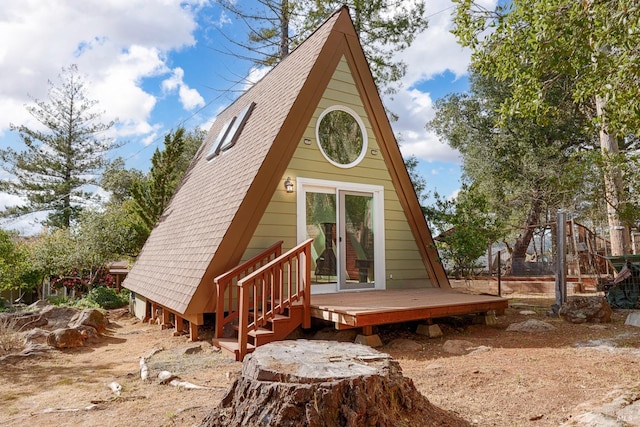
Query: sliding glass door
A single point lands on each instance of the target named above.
(345, 224)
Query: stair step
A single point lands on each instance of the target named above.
(230, 347)
(261, 332)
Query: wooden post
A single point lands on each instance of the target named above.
(306, 314)
(499, 275)
(179, 324)
(193, 331)
(154, 308)
(243, 323)
(165, 317)
(561, 260)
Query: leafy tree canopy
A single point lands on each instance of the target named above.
(466, 229)
(591, 47)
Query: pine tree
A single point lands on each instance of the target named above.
(60, 162)
(152, 193)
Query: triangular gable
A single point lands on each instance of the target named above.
(206, 227)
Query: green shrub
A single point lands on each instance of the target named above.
(59, 300)
(104, 297)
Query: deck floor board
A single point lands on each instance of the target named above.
(366, 308)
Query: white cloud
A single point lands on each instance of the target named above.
(414, 110)
(116, 43)
(434, 52)
(189, 98)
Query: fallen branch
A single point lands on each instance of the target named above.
(118, 399)
(155, 351)
(91, 407)
(167, 377)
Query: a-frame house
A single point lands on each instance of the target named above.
(298, 204)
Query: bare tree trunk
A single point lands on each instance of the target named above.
(522, 243)
(618, 232)
(284, 29)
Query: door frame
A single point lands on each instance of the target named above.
(335, 187)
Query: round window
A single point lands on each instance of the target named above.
(341, 136)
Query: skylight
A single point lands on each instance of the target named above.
(216, 145)
(230, 132)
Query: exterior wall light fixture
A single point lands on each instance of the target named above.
(288, 185)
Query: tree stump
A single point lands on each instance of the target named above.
(324, 383)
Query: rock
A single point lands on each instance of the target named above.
(480, 349)
(90, 317)
(322, 383)
(432, 331)
(191, 349)
(457, 346)
(22, 321)
(528, 313)
(115, 387)
(531, 325)
(165, 377)
(66, 338)
(58, 317)
(402, 344)
(36, 336)
(90, 333)
(579, 309)
(370, 340)
(633, 318)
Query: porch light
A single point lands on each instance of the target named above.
(288, 185)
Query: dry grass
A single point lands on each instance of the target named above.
(10, 338)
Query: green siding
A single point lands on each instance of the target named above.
(403, 260)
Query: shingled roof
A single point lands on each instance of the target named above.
(207, 225)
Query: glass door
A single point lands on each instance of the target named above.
(345, 221)
(356, 241)
(321, 221)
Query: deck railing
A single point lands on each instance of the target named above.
(228, 295)
(273, 288)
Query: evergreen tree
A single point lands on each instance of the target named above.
(152, 193)
(53, 173)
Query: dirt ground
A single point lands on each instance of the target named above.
(514, 379)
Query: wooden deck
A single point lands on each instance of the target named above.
(371, 308)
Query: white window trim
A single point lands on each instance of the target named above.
(363, 129)
(333, 187)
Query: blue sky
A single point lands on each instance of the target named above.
(156, 64)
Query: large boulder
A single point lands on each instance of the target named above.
(22, 321)
(591, 309)
(90, 317)
(58, 317)
(323, 383)
(66, 338)
(36, 336)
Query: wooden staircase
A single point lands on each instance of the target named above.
(264, 299)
